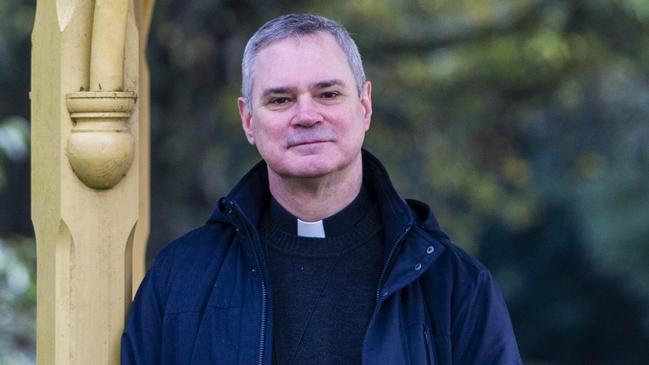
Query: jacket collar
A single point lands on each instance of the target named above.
(397, 217)
(245, 203)
(248, 198)
(251, 194)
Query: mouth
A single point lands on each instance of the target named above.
(307, 143)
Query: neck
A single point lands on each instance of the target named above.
(315, 198)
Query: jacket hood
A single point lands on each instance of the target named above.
(250, 195)
(425, 218)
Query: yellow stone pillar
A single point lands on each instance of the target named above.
(90, 173)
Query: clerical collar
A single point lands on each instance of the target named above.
(310, 229)
(335, 225)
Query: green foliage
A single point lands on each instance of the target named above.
(17, 253)
(14, 142)
(17, 301)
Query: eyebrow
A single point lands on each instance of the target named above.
(328, 83)
(287, 90)
(277, 90)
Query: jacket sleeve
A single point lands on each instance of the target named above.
(140, 343)
(482, 332)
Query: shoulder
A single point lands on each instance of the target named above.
(463, 298)
(196, 244)
(191, 257)
(450, 262)
(472, 311)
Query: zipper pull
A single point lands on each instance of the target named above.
(427, 346)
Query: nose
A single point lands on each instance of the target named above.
(306, 113)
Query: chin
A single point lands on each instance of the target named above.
(309, 171)
(311, 168)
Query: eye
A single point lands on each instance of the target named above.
(279, 100)
(329, 94)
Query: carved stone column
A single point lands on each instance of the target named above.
(90, 156)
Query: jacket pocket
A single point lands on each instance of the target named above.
(428, 346)
(421, 346)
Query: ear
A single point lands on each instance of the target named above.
(366, 103)
(246, 119)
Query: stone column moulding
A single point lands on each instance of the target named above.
(107, 47)
(101, 147)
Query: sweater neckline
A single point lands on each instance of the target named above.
(335, 225)
(352, 226)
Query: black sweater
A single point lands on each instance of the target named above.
(323, 289)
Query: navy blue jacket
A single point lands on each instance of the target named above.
(206, 299)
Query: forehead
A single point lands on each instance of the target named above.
(298, 61)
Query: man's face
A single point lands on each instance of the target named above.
(306, 117)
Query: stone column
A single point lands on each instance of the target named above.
(90, 180)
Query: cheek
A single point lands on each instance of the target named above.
(267, 137)
(356, 133)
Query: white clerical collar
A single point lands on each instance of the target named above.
(310, 229)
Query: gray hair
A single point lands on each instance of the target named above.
(296, 25)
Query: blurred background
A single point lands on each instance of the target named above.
(524, 123)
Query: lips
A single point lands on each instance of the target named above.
(303, 143)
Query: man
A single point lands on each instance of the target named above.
(313, 258)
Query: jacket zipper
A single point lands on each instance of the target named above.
(388, 264)
(262, 331)
(264, 295)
